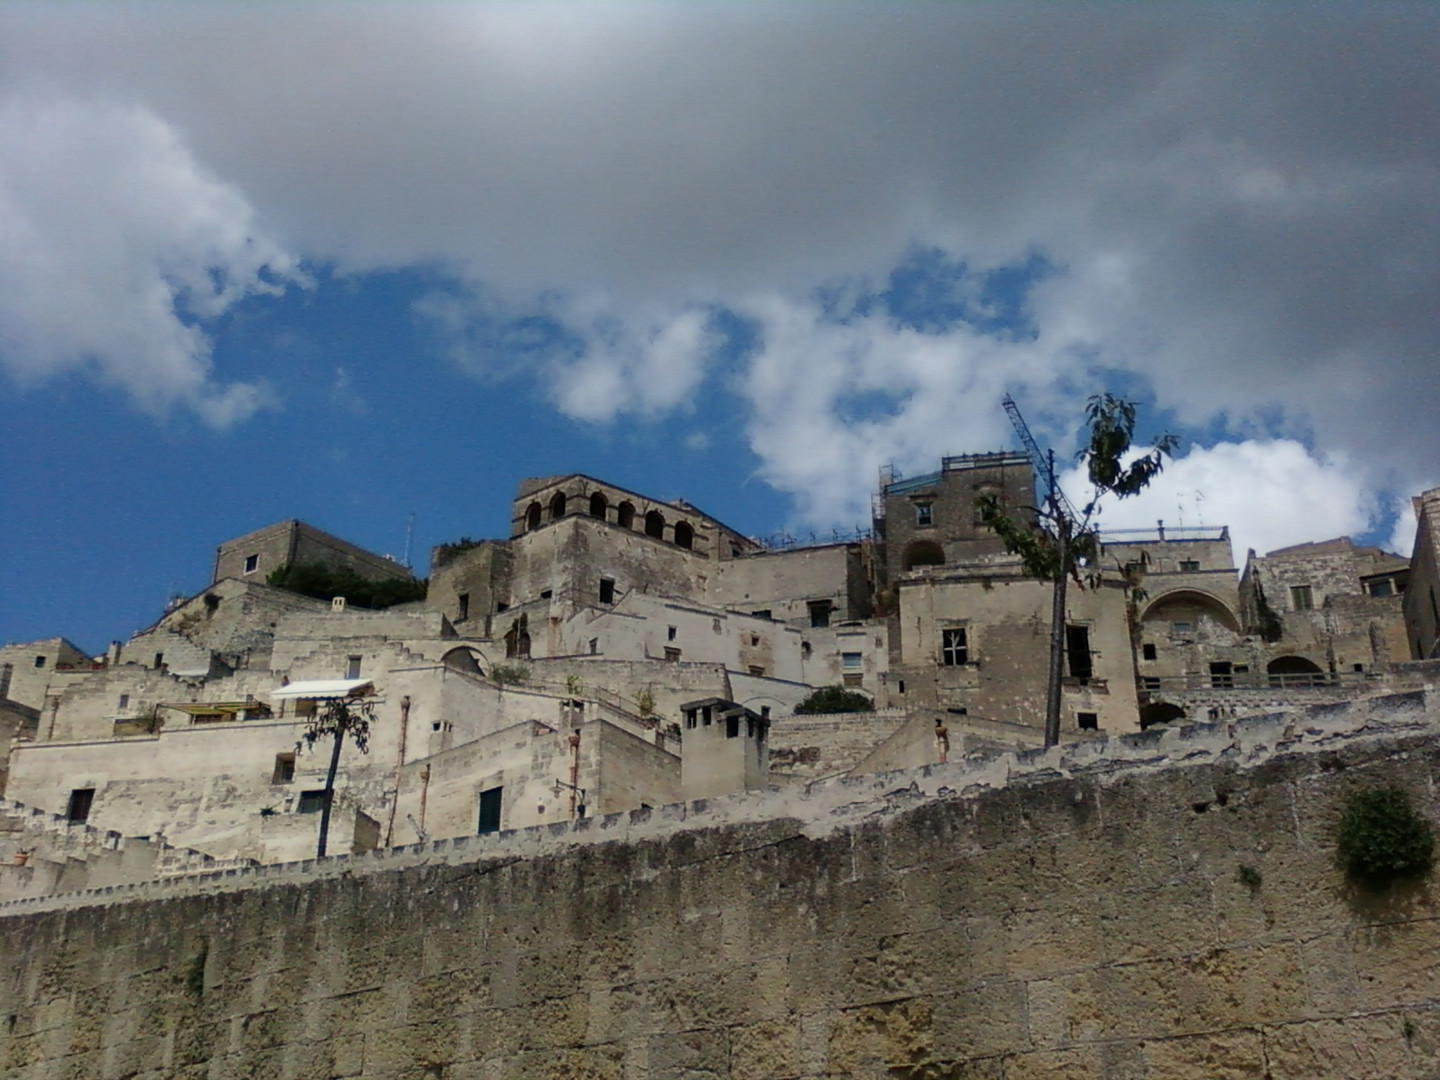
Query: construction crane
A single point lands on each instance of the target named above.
(1044, 461)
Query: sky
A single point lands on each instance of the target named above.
(370, 265)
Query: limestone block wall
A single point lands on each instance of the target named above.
(1077, 913)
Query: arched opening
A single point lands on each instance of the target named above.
(625, 515)
(598, 505)
(684, 535)
(532, 517)
(463, 658)
(1184, 608)
(655, 524)
(1160, 712)
(922, 553)
(1294, 671)
(557, 506)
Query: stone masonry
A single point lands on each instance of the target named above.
(1074, 913)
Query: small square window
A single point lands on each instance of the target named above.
(1302, 598)
(310, 802)
(546, 594)
(1088, 721)
(252, 563)
(1189, 566)
(853, 678)
(284, 769)
(124, 702)
(954, 647)
(850, 659)
(39, 661)
(1150, 682)
(1383, 587)
(81, 799)
(594, 645)
(756, 669)
(672, 655)
(1181, 627)
(1148, 650)
(670, 632)
(352, 667)
(924, 515)
(820, 613)
(732, 727)
(607, 590)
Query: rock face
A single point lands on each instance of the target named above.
(1078, 914)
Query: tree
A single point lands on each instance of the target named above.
(341, 718)
(834, 699)
(1066, 541)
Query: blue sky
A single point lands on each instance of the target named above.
(346, 264)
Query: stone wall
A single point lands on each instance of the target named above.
(1077, 913)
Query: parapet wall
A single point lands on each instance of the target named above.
(1075, 913)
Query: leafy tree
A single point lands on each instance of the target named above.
(325, 581)
(833, 699)
(1382, 838)
(1066, 541)
(338, 720)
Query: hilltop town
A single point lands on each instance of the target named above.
(617, 652)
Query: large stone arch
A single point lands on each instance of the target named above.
(465, 658)
(1208, 603)
(1160, 712)
(1294, 671)
(922, 553)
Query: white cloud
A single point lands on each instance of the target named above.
(1270, 493)
(113, 243)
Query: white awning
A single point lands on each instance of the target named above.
(323, 688)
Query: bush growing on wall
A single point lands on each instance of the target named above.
(325, 582)
(831, 699)
(1382, 838)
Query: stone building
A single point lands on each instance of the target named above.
(263, 551)
(1421, 609)
(26, 668)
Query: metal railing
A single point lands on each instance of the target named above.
(1257, 680)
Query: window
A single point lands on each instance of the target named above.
(39, 661)
(1088, 721)
(159, 660)
(954, 646)
(853, 678)
(124, 703)
(352, 667)
(655, 524)
(754, 640)
(820, 612)
(284, 769)
(763, 613)
(252, 563)
(607, 590)
(532, 517)
(1383, 587)
(625, 515)
(1189, 566)
(673, 655)
(1181, 627)
(732, 727)
(598, 505)
(1077, 651)
(462, 607)
(310, 802)
(546, 594)
(900, 685)
(1148, 650)
(1150, 682)
(850, 659)
(557, 506)
(594, 645)
(491, 801)
(1221, 675)
(924, 514)
(81, 800)
(670, 632)
(684, 535)
(1302, 598)
(757, 670)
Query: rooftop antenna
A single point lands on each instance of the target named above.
(409, 535)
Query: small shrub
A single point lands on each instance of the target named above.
(1249, 876)
(834, 699)
(1382, 838)
(510, 673)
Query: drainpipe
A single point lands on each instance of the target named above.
(399, 764)
(424, 795)
(574, 770)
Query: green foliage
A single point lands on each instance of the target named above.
(1271, 628)
(444, 554)
(510, 673)
(325, 581)
(645, 702)
(1250, 877)
(340, 719)
(834, 699)
(1382, 838)
(195, 971)
(1112, 432)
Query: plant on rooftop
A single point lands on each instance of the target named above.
(834, 699)
(325, 581)
(1382, 838)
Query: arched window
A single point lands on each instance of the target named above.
(532, 517)
(684, 535)
(1160, 712)
(1294, 671)
(625, 515)
(557, 506)
(598, 505)
(655, 524)
(922, 553)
